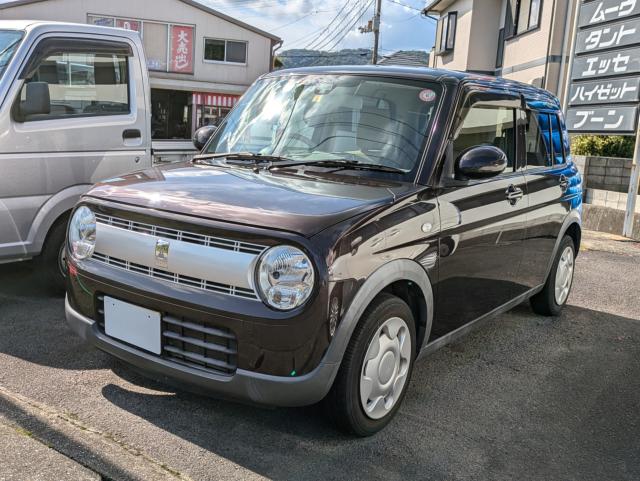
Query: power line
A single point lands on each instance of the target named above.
(325, 29)
(405, 5)
(341, 34)
(339, 27)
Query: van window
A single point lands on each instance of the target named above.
(79, 84)
(536, 142)
(487, 125)
(557, 140)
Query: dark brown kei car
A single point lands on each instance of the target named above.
(338, 225)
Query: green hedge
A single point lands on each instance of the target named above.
(603, 145)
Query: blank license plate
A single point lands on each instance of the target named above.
(135, 325)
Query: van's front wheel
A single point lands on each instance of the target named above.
(376, 368)
(52, 261)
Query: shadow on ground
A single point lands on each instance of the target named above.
(506, 403)
(523, 397)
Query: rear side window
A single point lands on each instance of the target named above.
(557, 140)
(537, 150)
(487, 124)
(69, 84)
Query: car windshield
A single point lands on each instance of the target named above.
(364, 119)
(9, 41)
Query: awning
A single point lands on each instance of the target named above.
(215, 100)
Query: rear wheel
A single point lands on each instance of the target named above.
(376, 368)
(52, 260)
(554, 295)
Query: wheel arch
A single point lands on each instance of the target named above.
(51, 212)
(403, 277)
(571, 226)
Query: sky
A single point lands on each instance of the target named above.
(300, 22)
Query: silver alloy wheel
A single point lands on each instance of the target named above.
(564, 275)
(385, 368)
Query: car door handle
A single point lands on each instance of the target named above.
(131, 134)
(514, 194)
(564, 183)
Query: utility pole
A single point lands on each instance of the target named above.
(376, 32)
(373, 25)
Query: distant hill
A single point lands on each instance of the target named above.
(306, 58)
(359, 56)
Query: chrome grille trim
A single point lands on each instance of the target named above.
(181, 235)
(175, 278)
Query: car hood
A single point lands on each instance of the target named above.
(297, 203)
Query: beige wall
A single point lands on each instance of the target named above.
(485, 26)
(206, 25)
(525, 56)
(458, 59)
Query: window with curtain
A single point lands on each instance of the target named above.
(446, 33)
(522, 16)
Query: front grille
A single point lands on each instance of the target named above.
(175, 278)
(181, 235)
(199, 346)
(193, 344)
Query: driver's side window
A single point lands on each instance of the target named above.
(75, 84)
(488, 124)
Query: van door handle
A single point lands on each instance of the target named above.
(514, 194)
(131, 134)
(564, 183)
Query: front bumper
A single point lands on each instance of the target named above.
(242, 385)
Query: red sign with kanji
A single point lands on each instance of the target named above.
(181, 49)
(134, 25)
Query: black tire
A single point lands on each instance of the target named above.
(544, 303)
(49, 262)
(343, 403)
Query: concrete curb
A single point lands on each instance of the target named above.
(607, 219)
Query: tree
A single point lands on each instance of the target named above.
(603, 145)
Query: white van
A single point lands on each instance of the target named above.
(74, 109)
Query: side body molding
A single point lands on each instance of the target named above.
(397, 270)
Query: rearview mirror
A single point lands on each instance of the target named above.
(481, 162)
(37, 100)
(202, 136)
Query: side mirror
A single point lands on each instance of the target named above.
(481, 162)
(37, 100)
(202, 136)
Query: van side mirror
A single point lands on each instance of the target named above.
(202, 136)
(481, 162)
(37, 100)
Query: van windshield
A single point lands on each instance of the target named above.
(365, 119)
(9, 41)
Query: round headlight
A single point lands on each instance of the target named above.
(285, 277)
(82, 233)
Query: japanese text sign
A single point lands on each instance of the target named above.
(605, 75)
(181, 60)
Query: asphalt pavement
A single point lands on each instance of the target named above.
(523, 397)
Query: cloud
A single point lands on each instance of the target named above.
(298, 22)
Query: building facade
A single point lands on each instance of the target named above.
(200, 61)
(524, 40)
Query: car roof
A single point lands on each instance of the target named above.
(39, 26)
(532, 94)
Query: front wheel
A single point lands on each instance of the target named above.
(554, 295)
(53, 261)
(376, 368)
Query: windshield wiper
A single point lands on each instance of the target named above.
(242, 156)
(343, 164)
